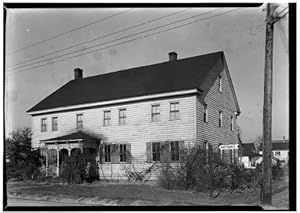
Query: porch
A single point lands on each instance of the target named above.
(55, 150)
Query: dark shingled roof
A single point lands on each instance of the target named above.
(189, 73)
(74, 136)
(278, 145)
(248, 149)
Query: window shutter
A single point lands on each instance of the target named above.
(115, 153)
(165, 152)
(149, 152)
(101, 153)
(128, 153)
(181, 150)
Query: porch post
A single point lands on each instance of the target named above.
(57, 162)
(81, 147)
(46, 161)
(69, 149)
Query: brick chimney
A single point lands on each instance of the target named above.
(77, 73)
(172, 56)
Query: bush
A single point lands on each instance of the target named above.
(278, 171)
(79, 167)
(22, 162)
(193, 172)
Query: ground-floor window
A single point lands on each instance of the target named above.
(164, 151)
(107, 152)
(122, 152)
(175, 151)
(115, 153)
(156, 151)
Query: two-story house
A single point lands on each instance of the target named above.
(126, 117)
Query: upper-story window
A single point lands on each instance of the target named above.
(220, 83)
(107, 118)
(220, 118)
(231, 123)
(155, 112)
(174, 111)
(122, 116)
(54, 124)
(79, 121)
(205, 116)
(43, 124)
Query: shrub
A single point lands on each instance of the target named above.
(193, 172)
(278, 171)
(79, 167)
(23, 162)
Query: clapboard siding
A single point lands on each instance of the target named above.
(138, 130)
(216, 100)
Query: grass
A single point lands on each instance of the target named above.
(128, 193)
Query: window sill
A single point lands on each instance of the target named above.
(174, 120)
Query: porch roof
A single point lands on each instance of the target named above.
(73, 137)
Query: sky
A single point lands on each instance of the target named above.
(239, 33)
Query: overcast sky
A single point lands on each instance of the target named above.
(240, 34)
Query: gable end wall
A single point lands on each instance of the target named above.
(216, 101)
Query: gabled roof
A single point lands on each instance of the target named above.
(278, 145)
(189, 73)
(78, 136)
(248, 149)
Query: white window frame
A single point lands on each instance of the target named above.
(122, 119)
(176, 111)
(55, 118)
(220, 120)
(44, 125)
(107, 120)
(156, 113)
(79, 121)
(220, 83)
(205, 114)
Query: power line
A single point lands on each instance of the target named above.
(140, 24)
(192, 22)
(101, 44)
(59, 35)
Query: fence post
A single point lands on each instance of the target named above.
(210, 169)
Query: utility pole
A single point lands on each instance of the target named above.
(266, 193)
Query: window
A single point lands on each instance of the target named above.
(54, 124)
(123, 153)
(220, 84)
(122, 116)
(205, 116)
(231, 123)
(107, 153)
(156, 151)
(155, 113)
(107, 118)
(276, 153)
(79, 121)
(44, 125)
(174, 151)
(174, 111)
(220, 118)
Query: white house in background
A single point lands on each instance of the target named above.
(128, 118)
(280, 151)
